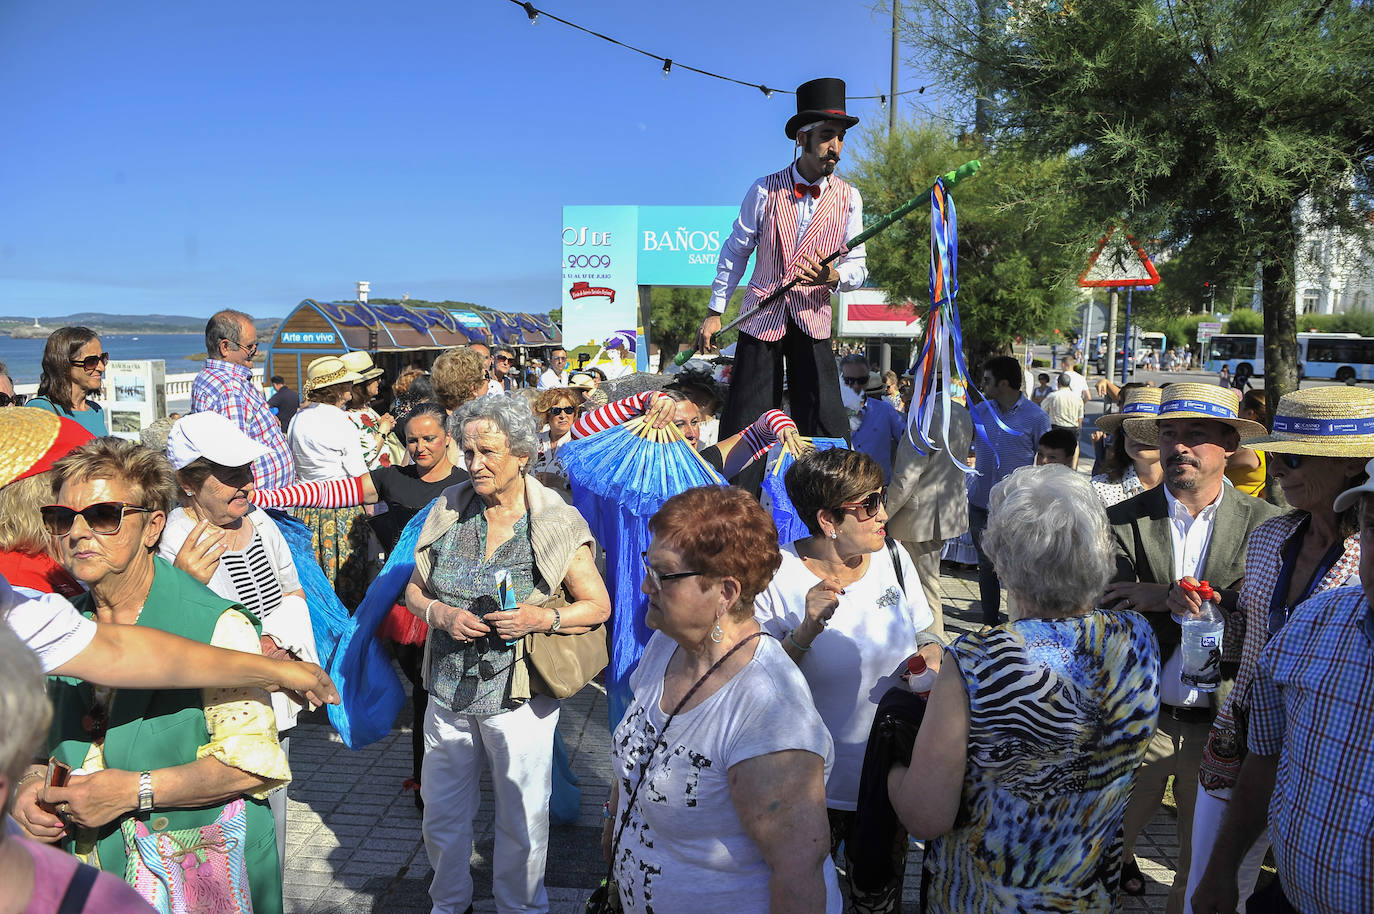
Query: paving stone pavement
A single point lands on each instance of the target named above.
(353, 834)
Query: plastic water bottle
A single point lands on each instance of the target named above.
(1202, 634)
(920, 678)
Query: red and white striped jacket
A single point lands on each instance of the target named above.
(775, 260)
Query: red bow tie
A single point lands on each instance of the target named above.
(801, 190)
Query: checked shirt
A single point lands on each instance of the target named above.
(230, 390)
(1311, 702)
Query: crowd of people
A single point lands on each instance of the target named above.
(788, 764)
(798, 712)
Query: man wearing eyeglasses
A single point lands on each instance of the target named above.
(7, 397)
(226, 386)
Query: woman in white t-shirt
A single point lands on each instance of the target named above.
(325, 445)
(849, 610)
(721, 806)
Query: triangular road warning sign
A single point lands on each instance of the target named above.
(1118, 261)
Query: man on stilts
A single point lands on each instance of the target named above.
(793, 218)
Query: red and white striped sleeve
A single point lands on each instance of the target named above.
(612, 414)
(764, 433)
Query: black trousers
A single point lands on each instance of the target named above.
(756, 385)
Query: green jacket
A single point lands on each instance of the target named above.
(162, 728)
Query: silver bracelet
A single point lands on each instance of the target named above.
(428, 608)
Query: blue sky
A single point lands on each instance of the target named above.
(179, 158)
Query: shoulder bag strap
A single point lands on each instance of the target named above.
(896, 562)
(644, 767)
(78, 890)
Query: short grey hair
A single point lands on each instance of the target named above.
(855, 358)
(1048, 538)
(24, 708)
(224, 325)
(1065, 379)
(513, 417)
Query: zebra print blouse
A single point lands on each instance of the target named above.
(1061, 713)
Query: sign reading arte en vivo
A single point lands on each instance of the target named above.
(609, 252)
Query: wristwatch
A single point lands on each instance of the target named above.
(145, 791)
(557, 622)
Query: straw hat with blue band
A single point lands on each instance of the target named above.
(1141, 403)
(1322, 422)
(1191, 400)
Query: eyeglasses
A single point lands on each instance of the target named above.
(562, 410)
(104, 517)
(1292, 461)
(657, 579)
(92, 362)
(12, 399)
(855, 382)
(252, 350)
(504, 358)
(869, 506)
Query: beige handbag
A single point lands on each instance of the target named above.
(560, 665)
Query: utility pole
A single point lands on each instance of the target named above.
(885, 352)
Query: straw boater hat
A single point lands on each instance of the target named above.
(33, 440)
(358, 360)
(1192, 400)
(327, 371)
(1322, 422)
(1141, 403)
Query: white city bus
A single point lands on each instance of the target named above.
(1322, 356)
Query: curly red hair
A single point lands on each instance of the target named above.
(725, 532)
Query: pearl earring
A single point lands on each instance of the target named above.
(831, 534)
(717, 633)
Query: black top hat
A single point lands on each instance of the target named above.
(819, 100)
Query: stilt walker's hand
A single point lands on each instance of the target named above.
(709, 328)
(811, 273)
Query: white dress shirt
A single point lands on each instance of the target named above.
(734, 254)
(1191, 537)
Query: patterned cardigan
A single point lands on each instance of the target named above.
(1225, 748)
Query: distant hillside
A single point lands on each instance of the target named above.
(22, 327)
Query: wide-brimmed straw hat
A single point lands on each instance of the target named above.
(1141, 403)
(327, 371)
(358, 360)
(1192, 400)
(32, 440)
(1322, 422)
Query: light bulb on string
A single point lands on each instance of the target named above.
(882, 102)
(667, 67)
(767, 92)
(531, 12)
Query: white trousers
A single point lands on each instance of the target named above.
(1207, 815)
(518, 746)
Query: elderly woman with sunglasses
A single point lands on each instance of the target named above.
(499, 538)
(849, 609)
(172, 759)
(73, 369)
(555, 410)
(721, 732)
(236, 550)
(1321, 441)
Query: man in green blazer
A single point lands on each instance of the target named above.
(1194, 526)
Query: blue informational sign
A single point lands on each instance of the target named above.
(610, 251)
(679, 245)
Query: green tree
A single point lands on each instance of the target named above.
(675, 313)
(1204, 122)
(1015, 271)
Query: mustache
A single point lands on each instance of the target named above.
(1180, 460)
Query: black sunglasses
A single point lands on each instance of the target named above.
(11, 399)
(562, 410)
(104, 517)
(251, 350)
(1292, 461)
(869, 506)
(855, 382)
(92, 362)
